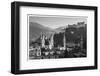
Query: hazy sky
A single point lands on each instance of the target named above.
(56, 21)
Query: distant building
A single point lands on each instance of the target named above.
(79, 24)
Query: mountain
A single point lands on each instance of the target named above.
(35, 30)
(60, 29)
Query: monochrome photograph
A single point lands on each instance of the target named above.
(53, 37)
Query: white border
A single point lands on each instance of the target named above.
(55, 63)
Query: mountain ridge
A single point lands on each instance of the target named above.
(36, 29)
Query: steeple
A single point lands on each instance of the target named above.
(51, 43)
(42, 40)
(64, 42)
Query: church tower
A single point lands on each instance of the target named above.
(64, 42)
(51, 43)
(43, 40)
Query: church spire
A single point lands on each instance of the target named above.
(64, 42)
(43, 40)
(51, 44)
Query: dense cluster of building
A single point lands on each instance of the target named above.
(47, 44)
(45, 48)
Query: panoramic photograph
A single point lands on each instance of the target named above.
(55, 37)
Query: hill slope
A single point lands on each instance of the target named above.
(35, 30)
